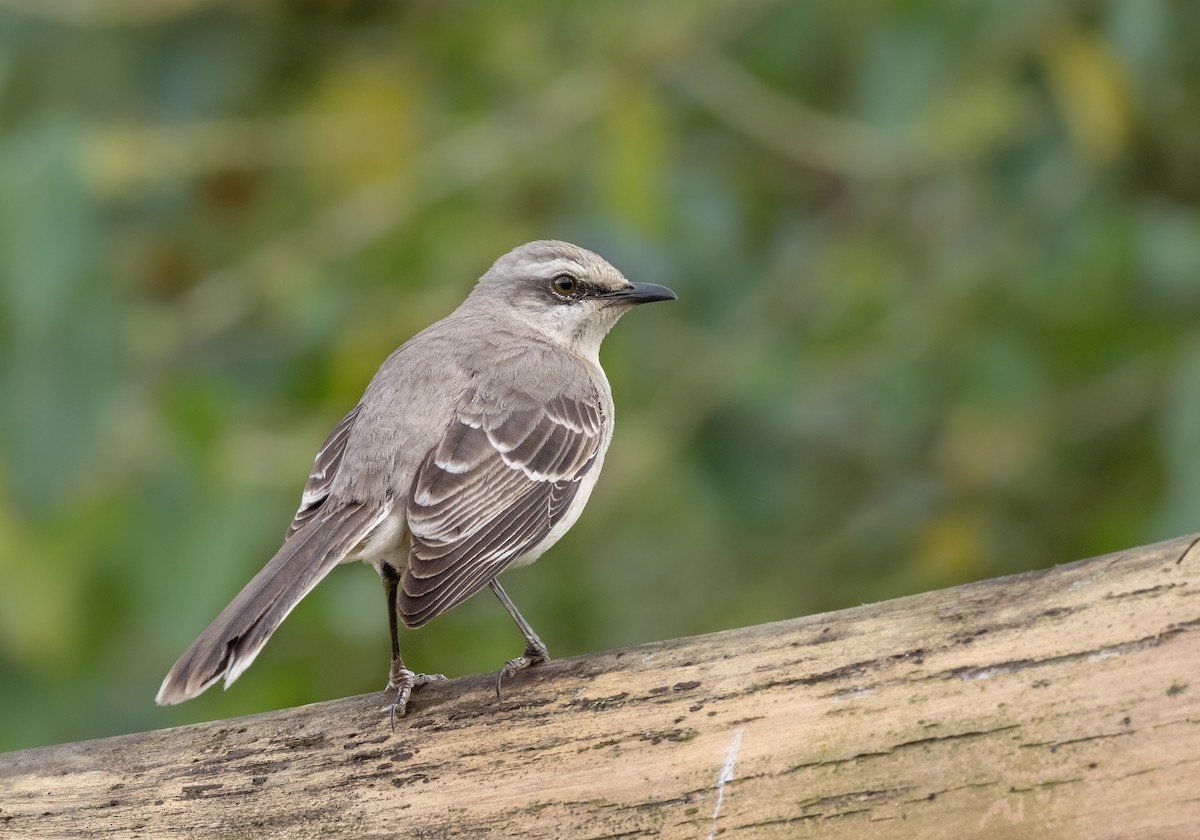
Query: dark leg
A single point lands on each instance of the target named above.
(391, 581)
(535, 649)
(400, 679)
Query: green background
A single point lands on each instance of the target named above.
(938, 267)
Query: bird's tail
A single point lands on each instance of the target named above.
(228, 645)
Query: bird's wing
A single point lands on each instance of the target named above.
(502, 476)
(325, 467)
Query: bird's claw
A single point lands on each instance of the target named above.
(403, 681)
(533, 655)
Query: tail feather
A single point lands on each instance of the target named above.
(228, 645)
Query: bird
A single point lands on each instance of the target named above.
(472, 451)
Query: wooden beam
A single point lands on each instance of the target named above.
(1062, 703)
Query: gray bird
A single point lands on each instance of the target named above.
(473, 450)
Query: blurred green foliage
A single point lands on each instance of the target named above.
(939, 319)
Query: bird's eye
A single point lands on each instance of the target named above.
(564, 285)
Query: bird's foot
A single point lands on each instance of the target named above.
(534, 653)
(403, 681)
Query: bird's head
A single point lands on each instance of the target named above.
(566, 293)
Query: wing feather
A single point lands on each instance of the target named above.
(504, 473)
(463, 579)
(325, 467)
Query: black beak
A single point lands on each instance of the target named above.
(642, 293)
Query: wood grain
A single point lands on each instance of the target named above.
(1059, 704)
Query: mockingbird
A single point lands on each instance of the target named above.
(473, 450)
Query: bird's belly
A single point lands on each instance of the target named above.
(388, 542)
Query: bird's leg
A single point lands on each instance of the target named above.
(535, 649)
(400, 679)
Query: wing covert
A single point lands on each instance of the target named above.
(504, 473)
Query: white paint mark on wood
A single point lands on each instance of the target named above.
(725, 777)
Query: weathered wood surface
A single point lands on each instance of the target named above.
(1057, 704)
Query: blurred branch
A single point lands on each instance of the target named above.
(99, 12)
(124, 157)
(793, 130)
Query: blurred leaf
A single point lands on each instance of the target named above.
(1181, 446)
(637, 149)
(45, 235)
(1092, 92)
(1168, 252)
(953, 547)
(58, 347)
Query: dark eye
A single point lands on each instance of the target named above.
(564, 285)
